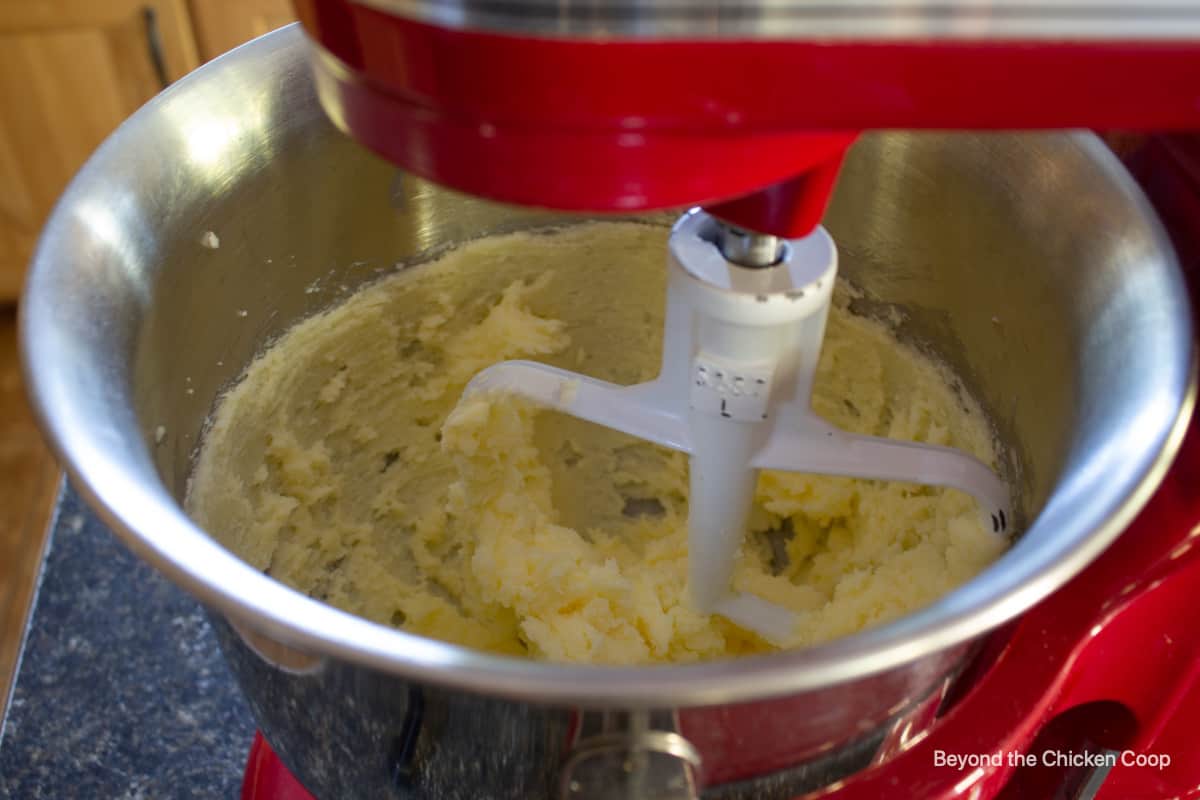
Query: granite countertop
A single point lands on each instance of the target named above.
(121, 691)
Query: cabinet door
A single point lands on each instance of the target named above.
(224, 24)
(70, 72)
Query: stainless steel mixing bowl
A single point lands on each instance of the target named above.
(1031, 262)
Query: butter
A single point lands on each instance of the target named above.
(344, 465)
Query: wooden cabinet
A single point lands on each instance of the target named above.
(224, 24)
(72, 70)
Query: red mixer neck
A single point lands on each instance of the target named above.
(626, 106)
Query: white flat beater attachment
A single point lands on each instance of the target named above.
(744, 324)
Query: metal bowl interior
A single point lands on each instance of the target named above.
(1030, 262)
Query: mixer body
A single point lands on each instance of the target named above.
(746, 108)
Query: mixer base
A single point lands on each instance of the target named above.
(267, 778)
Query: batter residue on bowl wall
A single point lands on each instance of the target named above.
(341, 466)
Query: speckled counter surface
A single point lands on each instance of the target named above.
(121, 691)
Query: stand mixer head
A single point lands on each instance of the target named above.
(731, 108)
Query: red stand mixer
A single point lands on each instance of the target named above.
(748, 110)
(207, 225)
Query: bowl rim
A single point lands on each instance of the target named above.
(120, 483)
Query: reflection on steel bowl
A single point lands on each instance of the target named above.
(1029, 263)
